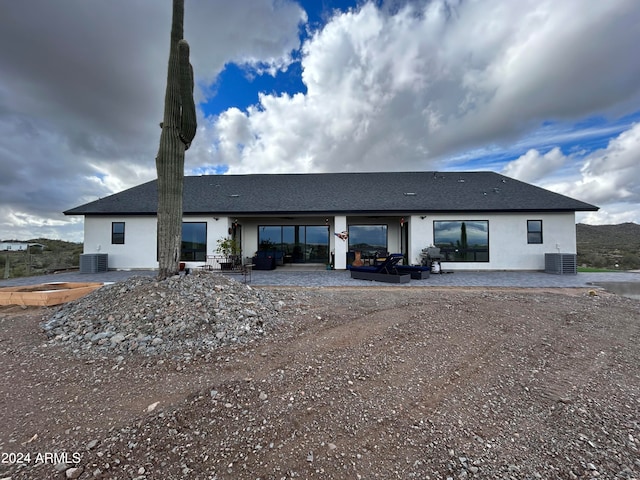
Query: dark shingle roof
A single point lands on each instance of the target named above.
(319, 193)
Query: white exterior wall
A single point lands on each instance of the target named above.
(216, 230)
(508, 247)
(420, 236)
(139, 248)
(249, 238)
(13, 247)
(140, 239)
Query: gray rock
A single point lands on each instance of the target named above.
(92, 444)
(73, 472)
(99, 336)
(117, 338)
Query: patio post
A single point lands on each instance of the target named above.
(340, 246)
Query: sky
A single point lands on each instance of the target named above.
(539, 90)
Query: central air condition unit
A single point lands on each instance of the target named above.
(94, 263)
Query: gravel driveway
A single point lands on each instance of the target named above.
(328, 383)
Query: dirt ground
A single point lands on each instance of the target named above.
(362, 383)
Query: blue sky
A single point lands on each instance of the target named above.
(238, 87)
(538, 90)
(238, 84)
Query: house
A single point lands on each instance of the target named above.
(18, 246)
(480, 220)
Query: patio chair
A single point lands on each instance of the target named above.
(385, 271)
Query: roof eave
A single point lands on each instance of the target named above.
(343, 212)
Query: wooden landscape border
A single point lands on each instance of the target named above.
(46, 294)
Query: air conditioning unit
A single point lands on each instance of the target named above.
(561, 263)
(94, 262)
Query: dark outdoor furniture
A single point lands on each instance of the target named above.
(416, 272)
(385, 271)
(376, 258)
(264, 260)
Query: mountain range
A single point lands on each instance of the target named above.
(609, 246)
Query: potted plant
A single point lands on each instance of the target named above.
(227, 247)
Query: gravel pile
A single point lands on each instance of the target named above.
(190, 314)
(360, 383)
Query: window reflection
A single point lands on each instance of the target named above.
(534, 231)
(368, 239)
(117, 233)
(298, 243)
(194, 242)
(462, 241)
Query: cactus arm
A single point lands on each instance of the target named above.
(188, 124)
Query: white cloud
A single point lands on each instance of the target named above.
(531, 167)
(607, 178)
(261, 33)
(613, 214)
(611, 174)
(82, 94)
(409, 90)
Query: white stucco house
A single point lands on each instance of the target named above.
(18, 246)
(480, 220)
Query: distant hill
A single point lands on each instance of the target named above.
(55, 255)
(606, 246)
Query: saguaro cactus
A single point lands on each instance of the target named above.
(178, 130)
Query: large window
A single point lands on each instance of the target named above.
(270, 237)
(462, 241)
(298, 243)
(534, 231)
(368, 239)
(194, 242)
(117, 233)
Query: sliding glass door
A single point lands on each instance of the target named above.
(299, 243)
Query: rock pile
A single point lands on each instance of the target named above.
(185, 314)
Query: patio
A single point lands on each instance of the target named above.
(319, 277)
